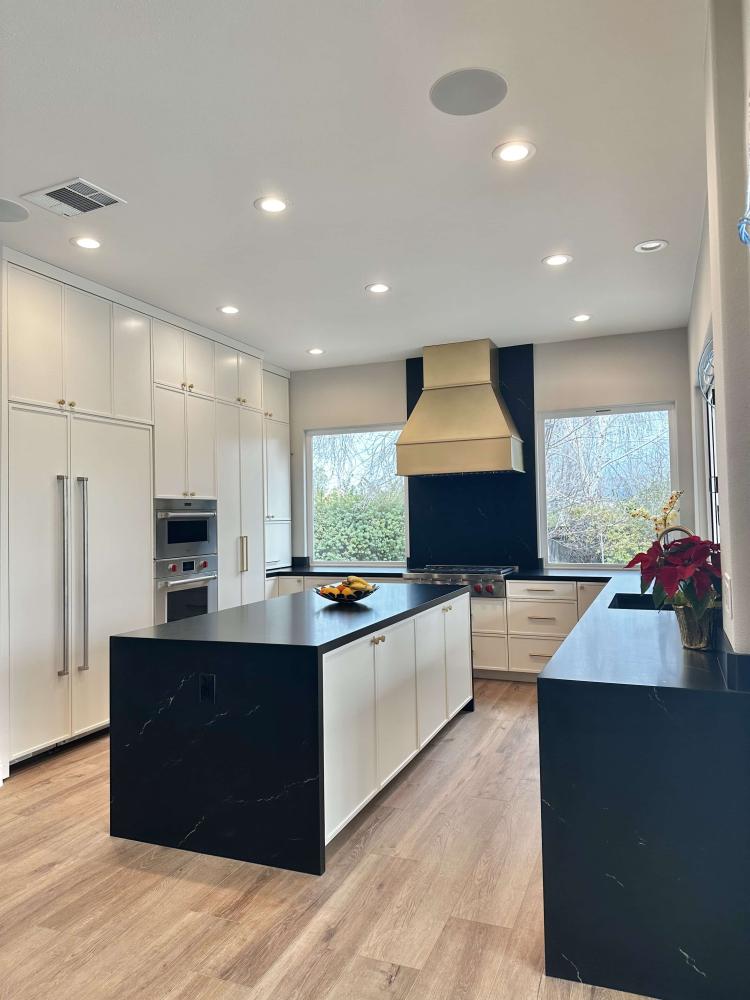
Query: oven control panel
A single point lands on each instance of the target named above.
(170, 569)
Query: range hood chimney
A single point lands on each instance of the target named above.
(460, 423)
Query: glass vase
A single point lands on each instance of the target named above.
(698, 633)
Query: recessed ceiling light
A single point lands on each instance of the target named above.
(11, 211)
(229, 310)
(86, 242)
(315, 350)
(581, 318)
(270, 204)
(378, 288)
(514, 152)
(650, 246)
(557, 259)
(468, 91)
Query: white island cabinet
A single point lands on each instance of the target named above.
(384, 697)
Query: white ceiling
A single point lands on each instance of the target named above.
(191, 109)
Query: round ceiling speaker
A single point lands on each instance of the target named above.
(11, 211)
(468, 91)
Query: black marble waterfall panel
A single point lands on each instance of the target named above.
(215, 747)
(645, 820)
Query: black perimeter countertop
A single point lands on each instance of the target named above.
(397, 572)
(304, 619)
(631, 647)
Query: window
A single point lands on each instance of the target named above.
(356, 502)
(598, 465)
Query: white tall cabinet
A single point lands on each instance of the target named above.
(277, 464)
(239, 451)
(80, 566)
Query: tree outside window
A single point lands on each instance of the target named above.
(599, 467)
(358, 511)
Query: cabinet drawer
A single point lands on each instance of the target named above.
(542, 590)
(489, 652)
(541, 617)
(531, 655)
(488, 615)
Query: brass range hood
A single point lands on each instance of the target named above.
(460, 423)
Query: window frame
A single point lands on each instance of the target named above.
(309, 494)
(541, 467)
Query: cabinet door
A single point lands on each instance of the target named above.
(430, 652)
(229, 498)
(170, 478)
(278, 544)
(87, 326)
(271, 588)
(251, 489)
(276, 396)
(226, 374)
(349, 750)
(131, 340)
(587, 594)
(199, 364)
(490, 652)
(201, 446)
(278, 480)
(457, 623)
(169, 358)
(291, 585)
(251, 381)
(39, 695)
(395, 679)
(35, 341)
(116, 459)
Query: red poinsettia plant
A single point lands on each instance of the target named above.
(685, 573)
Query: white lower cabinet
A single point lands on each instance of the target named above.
(458, 681)
(239, 459)
(490, 652)
(432, 711)
(271, 588)
(587, 594)
(80, 559)
(384, 697)
(531, 655)
(396, 697)
(349, 743)
(290, 585)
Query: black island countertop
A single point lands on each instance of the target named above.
(304, 619)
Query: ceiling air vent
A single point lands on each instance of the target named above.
(72, 198)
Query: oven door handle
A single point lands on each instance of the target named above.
(178, 515)
(188, 584)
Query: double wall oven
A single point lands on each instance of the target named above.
(186, 565)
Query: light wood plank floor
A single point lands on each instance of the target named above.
(433, 893)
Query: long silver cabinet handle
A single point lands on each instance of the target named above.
(84, 481)
(66, 601)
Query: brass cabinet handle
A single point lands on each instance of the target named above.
(185, 493)
(541, 618)
(540, 656)
(190, 387)
(377, 639)
(244, 564)
(183, 385)
(61, 402)
(540, 590)
(72, 403)
(244, 400)
(239, 399)
(193, 493)
(449, 608)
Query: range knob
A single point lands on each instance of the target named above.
(490, 588)
(204, 564)
(173, 568)
(478, 588)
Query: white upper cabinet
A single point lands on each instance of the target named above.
(200, 419)
(87, 321)
(170, 470)
(278, 498)
(251, 381)
(75, 350)
(131, 346)
(238, 377)
(276, 396)
(183, 360)
(278, 544)
(169, 355)
(35, 337)
(199, 364)
(227, 374)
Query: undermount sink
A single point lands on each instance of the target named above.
(636, 602)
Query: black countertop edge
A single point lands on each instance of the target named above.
(301, 620)
(339, 571)
(638, 648)
(397, 572)
(569, 575)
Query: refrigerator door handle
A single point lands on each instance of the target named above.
(63, 480)
(84, 481)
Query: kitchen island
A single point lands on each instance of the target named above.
(257, 733)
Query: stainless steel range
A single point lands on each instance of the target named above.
(487, 581)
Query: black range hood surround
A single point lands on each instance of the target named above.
(480, 518)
